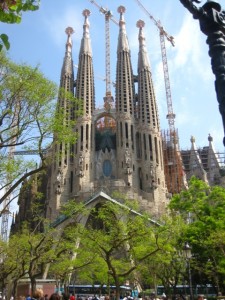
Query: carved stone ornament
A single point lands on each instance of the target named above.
(81, 165)
(127, 159)
(58, 182)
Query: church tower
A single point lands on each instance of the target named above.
(82, 173)
(119, 147)
(125, 106)
(58, 174)
(149, 155)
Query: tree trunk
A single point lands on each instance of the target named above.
(33, 284)
(117, 289)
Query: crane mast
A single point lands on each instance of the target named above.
(108, 99)
(162, 34)
(170, 115)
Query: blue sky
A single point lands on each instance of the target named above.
(40, 39)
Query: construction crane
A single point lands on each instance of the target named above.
(162, 34)
(108, 99)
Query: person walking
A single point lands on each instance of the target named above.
(72, 296)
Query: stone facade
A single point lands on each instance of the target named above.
(119, 147)
(204, 163)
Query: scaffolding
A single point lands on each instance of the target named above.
(174, 172)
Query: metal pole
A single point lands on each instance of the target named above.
(190, 279)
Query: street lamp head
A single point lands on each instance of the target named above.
(187, 250)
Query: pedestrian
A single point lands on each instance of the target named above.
(38, 294)
(72, 296)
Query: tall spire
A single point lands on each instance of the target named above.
(85, 73)
(69, 31)
(195, 164)
(149, 143)
(125, 94)
(143, 61)
(67, 68)
(147, 108)
(124, 73)
(67, 72)
(86, 43)
(122, 41)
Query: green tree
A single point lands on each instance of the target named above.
(26, 254)
(29, 253)
(28, 120)
(120, 239)
(203, 208)
(11, 12)
(70, 257)
(168, 266)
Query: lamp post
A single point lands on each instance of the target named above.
(187, 255)
(212, 23)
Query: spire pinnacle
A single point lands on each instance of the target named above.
(86, 13)
(85, 44)
(141, 24)
(121, 10)
(69, 31)
(143, 62)
(192, 139)
(123, 41)
(210, 139)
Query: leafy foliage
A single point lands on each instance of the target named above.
(118, 239)
(203, 207)
(29, 119)
(11, 12)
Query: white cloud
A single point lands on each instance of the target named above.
(56, 24)
(187, 42)
(191, 51)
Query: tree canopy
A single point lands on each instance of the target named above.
(203, 209)
(29, 118)
(111, 242)
(11, 12)
(121, 239)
